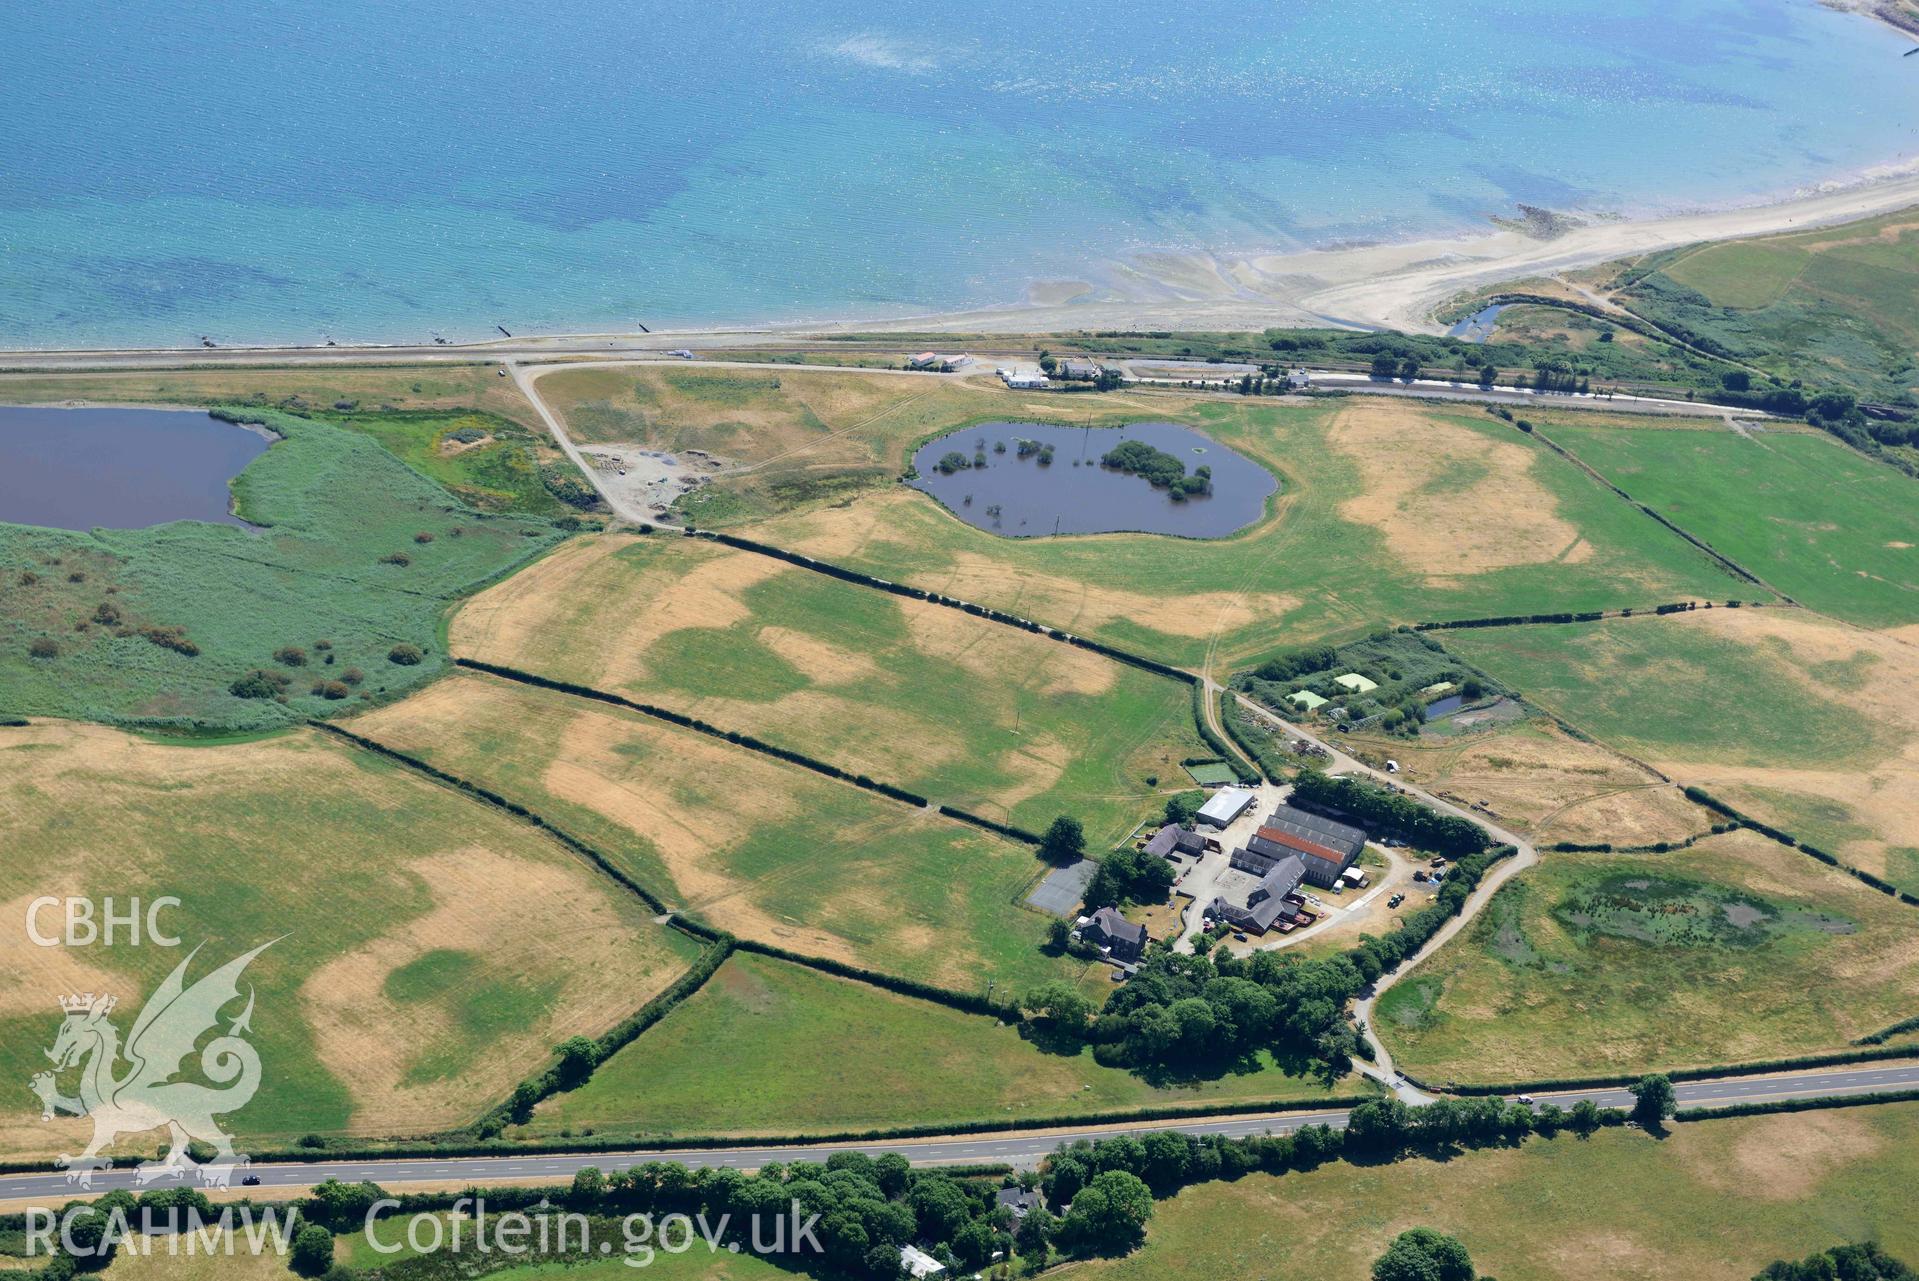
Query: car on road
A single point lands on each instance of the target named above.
(251, 1181)
(1526, 1099)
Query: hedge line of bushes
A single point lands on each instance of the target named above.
(966, 1002)
(1607, 847)
(1798, 1105)
(734, 737)
(1838, 1058)
(1588, 616)
(1001, 829)
(537, 1089)
(1700, 796)
(518, 811)
(934, 598)
(1885, 1034)
(1390, 812)
(1207, 735)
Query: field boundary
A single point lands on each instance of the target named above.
(784, 754)
(1886, 1033)
(1876, 1098)
(854, 576)
(1725, 562)
(1700, 796)
(1587, 616)
(1759, 1067)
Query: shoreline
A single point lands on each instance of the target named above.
(1388, 285)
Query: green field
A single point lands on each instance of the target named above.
(1389, 513)
(993, 719)
(1706, 686)
(1836, 306)
(1715, 1201)
(429, 951)
(751, 845)
(1795, 719)
(498, 469)
(804, 1052)
(1592, 964)
(315, 580)
(1820, 522)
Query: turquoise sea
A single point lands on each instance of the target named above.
(284, 171)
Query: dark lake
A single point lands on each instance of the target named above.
(1444, 706)
(1023, 498)
(119, 468)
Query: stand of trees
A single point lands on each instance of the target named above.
(1385, 811)
(1841, 1263)
(1127, 875)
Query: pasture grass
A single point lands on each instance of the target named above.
(751, 845)
(1713, 1201)
(1815, 519)
(998, 721)
(1695, 687)
(1735, 950)
(805, 1052)
(1795, 719)
(429, 951)
(334, 504)
(1389, 513)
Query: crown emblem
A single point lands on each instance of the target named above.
(86, 1004)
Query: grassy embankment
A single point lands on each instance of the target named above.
(807, 1052)
(1837, 306)
(1802, 722)
(361, 553)
(1736, 950)
(997, 721)
(751, 845)
(429, 951)
(1715, 1201)
(1390, 512)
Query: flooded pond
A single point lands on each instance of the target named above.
(119, 468)
(1027, 480)
(1478, 327)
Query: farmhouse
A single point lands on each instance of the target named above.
(1226, 805)
(1327, 847)
(1120, 938)
(1023, 378)
(1020, 1202)
(1173, 840)
(1083, 370)
(1274, 901)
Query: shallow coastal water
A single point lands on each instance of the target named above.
(1028, 496)
(119, 468)
(381, 172)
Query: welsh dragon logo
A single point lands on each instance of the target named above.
(143, 1095)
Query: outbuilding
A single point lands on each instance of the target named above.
(1224, 806)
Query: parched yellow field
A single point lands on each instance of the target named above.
(749, 844)
(1537, 779)
(1809, 724)
(1735, 950)
(1713, 1201)
(429, 951)
(997, 720)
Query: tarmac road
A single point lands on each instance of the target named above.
(986, 1149)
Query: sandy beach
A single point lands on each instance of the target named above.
(1390, 286)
